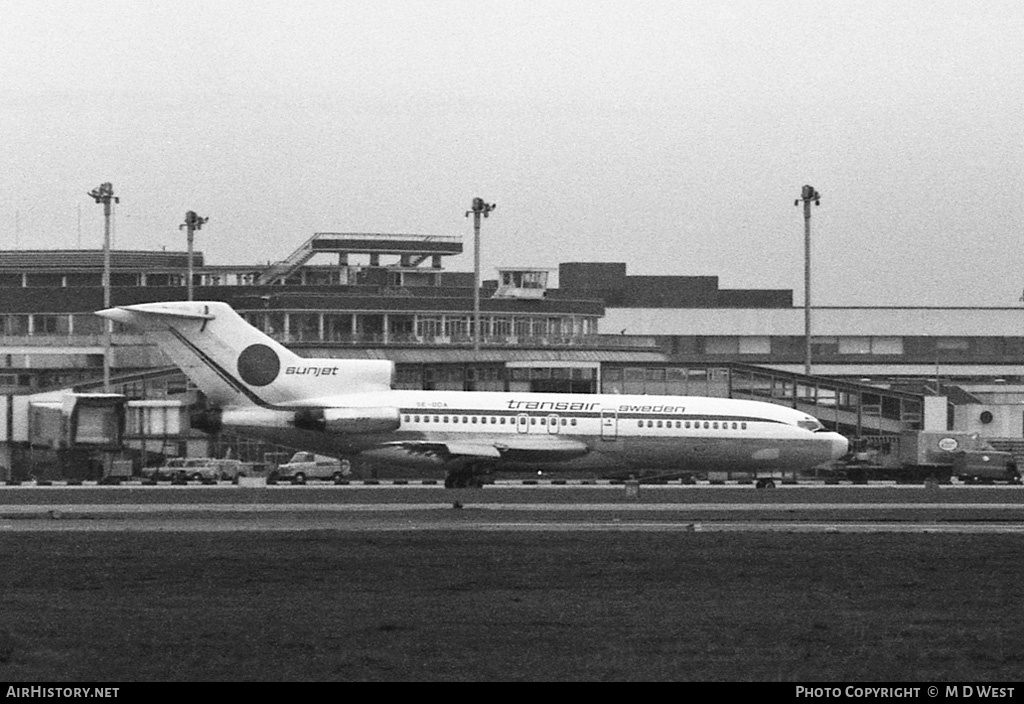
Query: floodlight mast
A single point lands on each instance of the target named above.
(104, 193)
(192, 223)
(479, 208)
(807, 195)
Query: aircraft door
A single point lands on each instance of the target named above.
(553, 425)
(609, 423)
(522, 423)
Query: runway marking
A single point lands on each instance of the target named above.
(221, 525)
(21, 509)
(754, 527)
(542, 484)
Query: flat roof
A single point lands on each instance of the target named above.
(370, 243)
(62, 260)
(502, 355)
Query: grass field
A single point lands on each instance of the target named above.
(510, 606)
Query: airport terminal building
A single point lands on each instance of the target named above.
(876, 370)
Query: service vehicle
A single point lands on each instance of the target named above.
(985, 467)
(939, 455)
(306, 465)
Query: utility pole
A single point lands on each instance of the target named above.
(104, 193)
(192, 223)
(479, 208)
(807, 195)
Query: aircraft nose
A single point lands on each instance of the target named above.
(840, 445)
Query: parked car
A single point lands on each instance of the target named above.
(217, 469)
(197, 468)
(171, 469)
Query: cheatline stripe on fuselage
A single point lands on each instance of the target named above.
(609, 413)
(238, 386)
(226, 375)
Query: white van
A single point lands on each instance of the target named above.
(306, 465)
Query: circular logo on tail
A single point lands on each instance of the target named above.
(258, 365)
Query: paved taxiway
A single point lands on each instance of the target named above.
(668, 508)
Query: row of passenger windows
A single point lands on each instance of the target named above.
(707, 424)
(484, 420)
(543, 420)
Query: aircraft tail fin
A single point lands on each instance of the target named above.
(235, 364)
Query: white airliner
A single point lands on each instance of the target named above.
(347, 407)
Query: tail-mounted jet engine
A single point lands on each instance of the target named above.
(338, 421)
(348, 421)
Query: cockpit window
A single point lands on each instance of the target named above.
(811, 424)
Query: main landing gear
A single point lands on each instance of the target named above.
(464, 476)
(461, 481)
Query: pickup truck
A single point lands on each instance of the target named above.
(306, 465)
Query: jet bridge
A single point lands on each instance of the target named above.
(851, 408)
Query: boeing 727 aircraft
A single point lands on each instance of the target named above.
(344, 408)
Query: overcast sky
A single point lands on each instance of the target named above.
(671, 135)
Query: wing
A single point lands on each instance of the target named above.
(516, 449)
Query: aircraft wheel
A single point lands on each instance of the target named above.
(458, 480)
